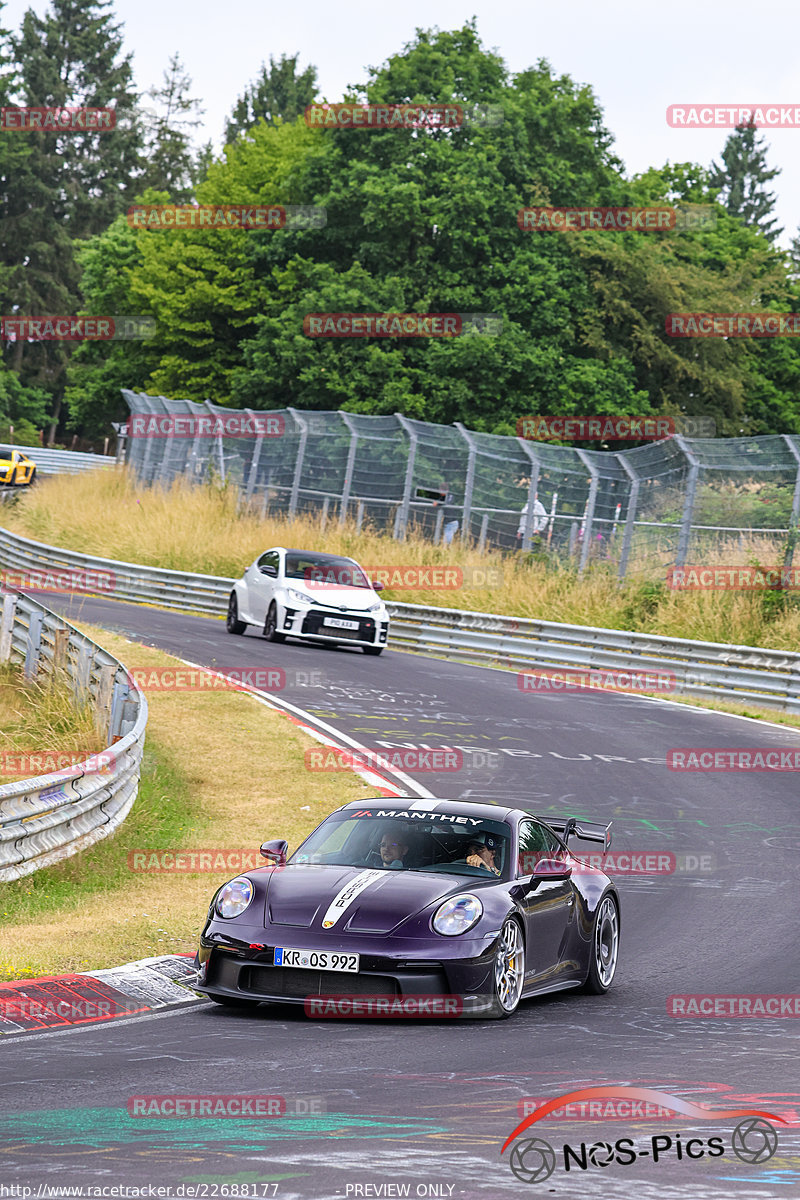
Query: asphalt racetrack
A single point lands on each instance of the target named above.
(422, 1108)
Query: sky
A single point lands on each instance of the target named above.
(638, 58)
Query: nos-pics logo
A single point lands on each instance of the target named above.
(533, 1159)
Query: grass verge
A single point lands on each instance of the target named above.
(42, 729)
(221, 770)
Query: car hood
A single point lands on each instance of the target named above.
(352, 899)
(333, 596)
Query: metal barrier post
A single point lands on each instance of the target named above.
(589, 517)
(688, 506)
(789, 555)
(348, 471)
(32, 644)
(401, 520)
(533, 487)
(302, 425)
(469, 482)
(630, 516)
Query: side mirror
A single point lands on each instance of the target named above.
(271, 571)
(552, 868)
(275, 852)
(377, 586)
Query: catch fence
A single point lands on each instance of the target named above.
(639, 511)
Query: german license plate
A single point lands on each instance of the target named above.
(316, 960)
(338, 623)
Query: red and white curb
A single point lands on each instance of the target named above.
(54, 1002)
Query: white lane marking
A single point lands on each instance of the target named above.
(272, 702)
(350, 892)
(114, 1023)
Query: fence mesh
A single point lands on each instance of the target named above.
(674, 502)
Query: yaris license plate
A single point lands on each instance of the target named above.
(315, 960)
(338, 623)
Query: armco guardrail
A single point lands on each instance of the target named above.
(60, 462)
(50, 817)
(707, 670)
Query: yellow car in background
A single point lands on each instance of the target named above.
(16, 469)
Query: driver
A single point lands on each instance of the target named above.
(481, 851)
(391, 852)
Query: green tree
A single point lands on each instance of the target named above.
(280, 93)
(167, 135)
(75, 182)
(425, 220)
(742, 177)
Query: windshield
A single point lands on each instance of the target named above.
(325, 569)
(406, 840)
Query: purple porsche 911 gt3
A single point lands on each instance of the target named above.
(401, 898)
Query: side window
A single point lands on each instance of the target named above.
(535, 842)
(270, 559)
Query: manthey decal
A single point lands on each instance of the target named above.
(350, 892)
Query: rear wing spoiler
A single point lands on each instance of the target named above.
(590, 831)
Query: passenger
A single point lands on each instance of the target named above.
(481, 849)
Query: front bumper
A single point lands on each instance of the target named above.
(241, 971)
(309, 623)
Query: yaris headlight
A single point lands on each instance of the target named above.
(457, 915)
(300, 597)
(234, 898)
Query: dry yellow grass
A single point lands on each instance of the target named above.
(222, 771)
(201, 529)
(41, 718)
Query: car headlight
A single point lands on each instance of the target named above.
(234, 898)
(300, 597)
(374, 607)
(457, 915)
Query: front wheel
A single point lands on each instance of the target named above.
(604, 950)
(373, 650)
(233, 624)
(271, 625)
(508, 973)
